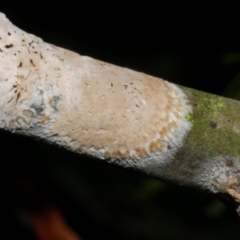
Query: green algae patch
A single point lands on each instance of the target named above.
(216, 125)
(189, 117)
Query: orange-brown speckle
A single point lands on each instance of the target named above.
(9, 45)
(20, 77)
(45, 118)
(141, 151)
(33, 64)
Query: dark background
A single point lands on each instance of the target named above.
(196, 47)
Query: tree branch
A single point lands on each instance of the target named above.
(118, 115)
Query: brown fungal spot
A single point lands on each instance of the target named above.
(140, 151)
(155, 146)
(9, 46)
(125, 86)
(111, 85)
(31, 61)
(20, 64)
(20, 77)
(9, 34)
(18, 96)
(45, 118)
(213, 125)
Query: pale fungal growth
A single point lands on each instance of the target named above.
(219, 174)
(86, 105)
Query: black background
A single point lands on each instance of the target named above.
(185, 45)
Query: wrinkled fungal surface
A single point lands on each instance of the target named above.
(86, 105)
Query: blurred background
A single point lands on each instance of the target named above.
(195, 47)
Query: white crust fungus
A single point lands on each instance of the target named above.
(86, 105)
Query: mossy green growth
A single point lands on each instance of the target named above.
(212, 103)
(216, 125)
(189, 117)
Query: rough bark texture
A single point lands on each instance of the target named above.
(118, 115)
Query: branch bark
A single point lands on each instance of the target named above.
(118, 115)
